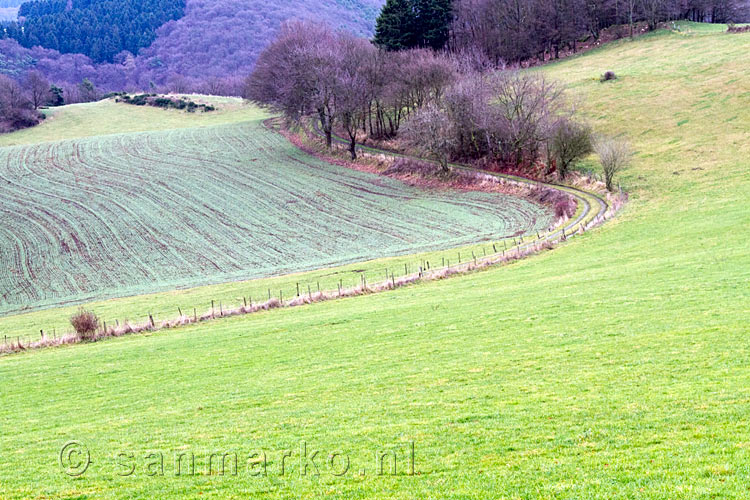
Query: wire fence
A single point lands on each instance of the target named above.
(306, 292)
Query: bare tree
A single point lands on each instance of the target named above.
(37, 88)
(353, 90)
(11, 95)
(296, 74)
(432, 132)
(16, 111)
(467, 103)
(653, 11)
(523, 108)
(614, 155)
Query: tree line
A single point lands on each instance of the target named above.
(434, 102)
(20, 101)
(100, 29)
(512, 31)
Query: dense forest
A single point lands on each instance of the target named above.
(216, 43)
(513, 31)
(98, 29)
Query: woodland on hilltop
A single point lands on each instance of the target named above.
(212, 43)
(98, 29)
(513, 31)
(210, 46)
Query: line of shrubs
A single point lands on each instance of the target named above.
(161, 101)
(738, 29)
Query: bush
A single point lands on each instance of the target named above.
(614, 156)
(85, 323)
(19, 118)
(608, 76)
(571, 142)
(164, 102)
(433, 133)
(564, 208)
(561, 203)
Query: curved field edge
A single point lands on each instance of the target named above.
(591, 208)
(122, 215)
(196, 300)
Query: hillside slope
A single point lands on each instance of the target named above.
(213, 39)
(616, 366)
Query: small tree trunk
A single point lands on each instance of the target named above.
(327, 126)
(329, 138)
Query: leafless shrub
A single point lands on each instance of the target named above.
(614, 155)
(505, 117)
(37, 89)
(85, 324)
(561, 203)
(408, 166)
(431, 131)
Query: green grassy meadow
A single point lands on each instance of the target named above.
(615, 366)
(107, 117)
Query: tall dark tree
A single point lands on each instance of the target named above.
(395, 28)
(434, 18)
(98, 28)
(56, 96)
(406, 24)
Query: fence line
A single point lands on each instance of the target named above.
(424, 271)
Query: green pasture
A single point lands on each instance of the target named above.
(108, 117)
(615, 366)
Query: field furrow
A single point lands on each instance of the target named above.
(143, 212)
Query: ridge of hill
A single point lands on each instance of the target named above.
(213, 39)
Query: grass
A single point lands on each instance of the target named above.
(615, 366)
(127, 214)
(77, 121)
